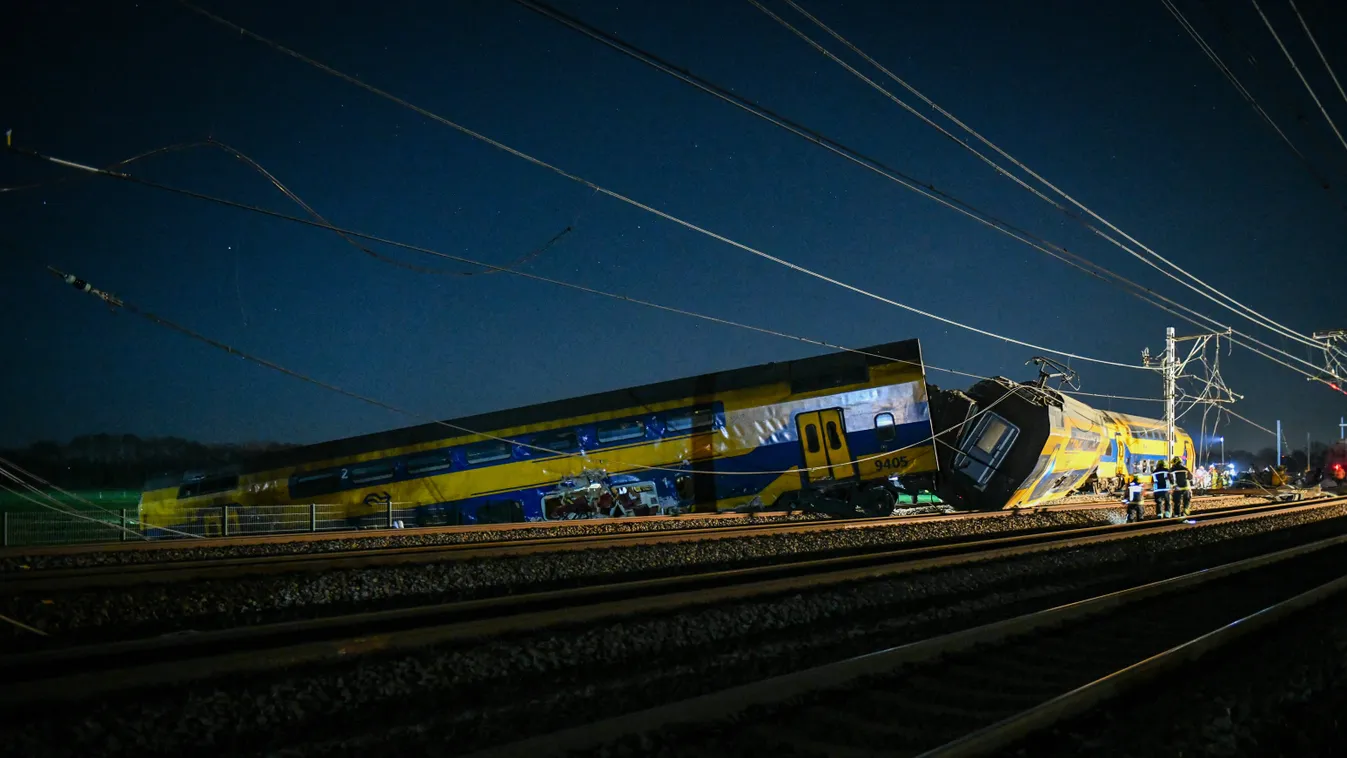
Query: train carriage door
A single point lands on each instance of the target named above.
(823, 439)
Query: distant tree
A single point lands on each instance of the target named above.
(125, 461)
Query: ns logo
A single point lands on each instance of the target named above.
(374, 499)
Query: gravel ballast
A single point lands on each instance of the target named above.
(1281, 692)
(426, 702)
(220, 603)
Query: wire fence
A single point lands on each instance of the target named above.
(50, 527)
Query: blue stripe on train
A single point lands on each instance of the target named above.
(764, 458)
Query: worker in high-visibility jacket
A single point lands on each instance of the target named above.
(1160, 491)
(1135, 510)
(1181, 487)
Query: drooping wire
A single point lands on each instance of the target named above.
(211, 142)
(64, 508)
(925, 189)
(1232, 304)
(119, 303)
(628, 200)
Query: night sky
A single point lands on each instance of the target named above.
(1111, 100)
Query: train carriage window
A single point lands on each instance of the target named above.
(487, 452)
(428, 463)
(991, 435)
(208, 485)
(562, 442)
(698, 420)
(985, 447)
(884, 428)
(834, 438)
(314, 483)
(620, 431)
(811, 437)
(368, 472)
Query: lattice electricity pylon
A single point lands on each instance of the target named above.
(1335, 367)
(1211, 389)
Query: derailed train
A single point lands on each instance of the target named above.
(846, 433)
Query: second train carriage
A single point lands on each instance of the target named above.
(1023, 444)
(831, 432)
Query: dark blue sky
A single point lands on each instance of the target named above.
(1111, 100)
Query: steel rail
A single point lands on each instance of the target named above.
(757, 520)
(724, 706)
(77, 672)
(124, 575)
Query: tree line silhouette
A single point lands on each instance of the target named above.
(126, 461)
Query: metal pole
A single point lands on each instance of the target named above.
(224, 521)
(1279, 444)
(123, 525)
(313, 517)
(1171, 380)
(1223, 452)
(1342, 428)
(390, 514)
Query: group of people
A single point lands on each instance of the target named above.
(1172, 488)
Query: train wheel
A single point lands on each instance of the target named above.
(875, 501)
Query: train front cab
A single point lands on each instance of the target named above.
(1021, 446)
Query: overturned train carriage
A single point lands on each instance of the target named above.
(1006, 444)
(843, 432)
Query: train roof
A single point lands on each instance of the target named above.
(804, 375)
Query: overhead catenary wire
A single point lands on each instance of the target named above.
(1315, 42)
(1136, 289)
(1230, 304)
(633, 202)
(462, 259)
(122, 304)
(248, 161)
(925, 189)
(1303, 80)
(1243, 91)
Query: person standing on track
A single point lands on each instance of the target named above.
(1133, 500)
(1160, 488)
(1181, 484)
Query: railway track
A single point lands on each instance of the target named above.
(67, 673)
(977, 691)
(175, 571)
(532, 532)
(113, 576)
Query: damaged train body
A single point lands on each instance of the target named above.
(843, 433)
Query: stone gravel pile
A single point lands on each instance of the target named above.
(453, 698)
(218, 603)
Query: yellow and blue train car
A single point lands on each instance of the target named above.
(1138, 445)
(1023, 445)
(830, 432)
